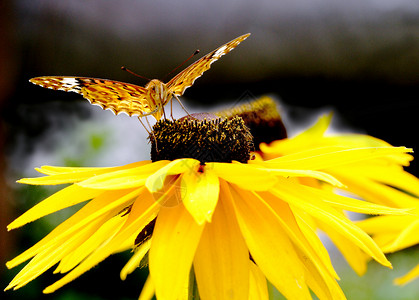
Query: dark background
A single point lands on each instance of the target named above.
(358, 58)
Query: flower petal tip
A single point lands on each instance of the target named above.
(13, 225)
(400, 281)
(202, 219)
(48, 290)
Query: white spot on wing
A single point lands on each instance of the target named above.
(220, 52)
(70, 81)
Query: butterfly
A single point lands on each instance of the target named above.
(134, 100)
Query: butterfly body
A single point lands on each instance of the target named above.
(134, 100)
(159, 96)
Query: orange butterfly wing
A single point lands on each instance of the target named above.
(178, 84)
(131, 99)
(119, 97)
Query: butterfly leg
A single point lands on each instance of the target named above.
(150, 133)
(171, 109)
(164, 112)
(145, 127)
(183, 107)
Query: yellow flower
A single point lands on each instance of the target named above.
(395, 233)
(234, 225)
(371, 170)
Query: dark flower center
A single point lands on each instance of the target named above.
(262, 118)
(204, 137)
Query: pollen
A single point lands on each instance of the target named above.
(204, 137)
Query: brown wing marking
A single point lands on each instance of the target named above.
(119, 97)
(178, 84)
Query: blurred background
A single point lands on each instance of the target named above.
(359, 58)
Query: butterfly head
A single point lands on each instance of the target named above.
(158, 92)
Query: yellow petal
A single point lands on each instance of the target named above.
(135, 260)
(311, 204)
(147, 292)
(356, 205)
(307, 173)
(355, 257)
(327, 158)
(353, 140)
(269, 245)
(325, 287)
(221, 261)
(175, 238)
(295, 144)
(386, 225)
(107, 203)
(53, 170)
(362, 141)
(95, 240)
(142, 212)
(155, 182)
(258, 289)
(412, 275)
(308, 242)
(67, 197)
(246, 176)
(374, 191)
(407, 237)
(393, 176)
(52, 254)
(60, 175)
(199, 192)
(320, 274)
(123, 179)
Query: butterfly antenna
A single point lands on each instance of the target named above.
(184, 62)
(132, 73)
